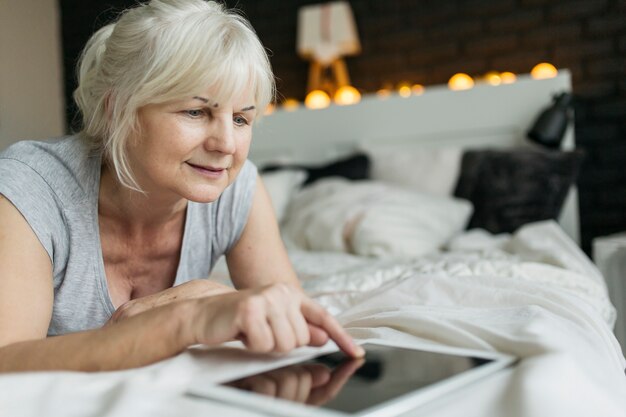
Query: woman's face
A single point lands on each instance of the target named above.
(192, 148)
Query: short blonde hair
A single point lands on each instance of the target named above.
(160, 51)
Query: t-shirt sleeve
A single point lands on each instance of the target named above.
(233, 209)
(35, 200)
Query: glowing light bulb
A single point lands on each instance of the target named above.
(417, 89)
(404, 90)
(460, 81)
(543, 70)
(291, 104)
(347, 95)
(493, 78)
(508, 77)
(317, 99)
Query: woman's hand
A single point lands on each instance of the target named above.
(274, 318)
(193, 289)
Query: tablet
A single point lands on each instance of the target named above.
(387, 382)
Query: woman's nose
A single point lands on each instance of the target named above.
(221, 136)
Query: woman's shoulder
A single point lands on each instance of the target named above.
(66, 165)
(42, 153)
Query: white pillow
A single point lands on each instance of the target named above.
(372, 219)
(281, 185)
(429, 170)
(318, 214)
(408, 223)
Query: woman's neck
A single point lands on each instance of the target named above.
(134, 210)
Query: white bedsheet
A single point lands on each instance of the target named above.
(534, 295)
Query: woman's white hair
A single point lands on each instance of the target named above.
(160, 51)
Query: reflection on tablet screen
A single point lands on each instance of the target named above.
(351, 385)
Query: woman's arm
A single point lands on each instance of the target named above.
(137, 341)
(26, 290)
(260, 257)
(26, 299)
(271, 318)
(197, 288)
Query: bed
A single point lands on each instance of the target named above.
(530, 292)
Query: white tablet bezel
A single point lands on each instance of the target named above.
(395, 407)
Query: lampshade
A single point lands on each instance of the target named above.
(327, 32)
(549, 128)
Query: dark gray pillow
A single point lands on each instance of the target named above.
(510, 188)
(354, 167)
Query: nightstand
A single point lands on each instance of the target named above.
(609, 254)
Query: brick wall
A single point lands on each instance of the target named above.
(426, 41)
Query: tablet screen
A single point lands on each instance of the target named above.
(348, 385)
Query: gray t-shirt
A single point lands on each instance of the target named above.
(55, 186)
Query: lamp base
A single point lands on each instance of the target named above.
(328, 78)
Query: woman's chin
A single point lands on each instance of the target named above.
(204, 195)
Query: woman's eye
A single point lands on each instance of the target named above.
(240, 120)
(194, 113)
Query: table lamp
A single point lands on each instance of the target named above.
(326, 33)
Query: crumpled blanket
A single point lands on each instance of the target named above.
(533, 295)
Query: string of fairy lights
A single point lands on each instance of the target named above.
(349, 95)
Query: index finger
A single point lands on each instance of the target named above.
(317, 315)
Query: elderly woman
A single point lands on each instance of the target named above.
(107, 237)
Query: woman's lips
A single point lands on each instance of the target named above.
(207, 171)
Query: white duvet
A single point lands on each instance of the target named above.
(534, 295)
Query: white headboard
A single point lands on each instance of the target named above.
(486, 115)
